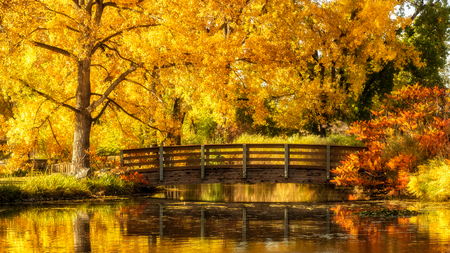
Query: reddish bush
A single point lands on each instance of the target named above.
(411, 127)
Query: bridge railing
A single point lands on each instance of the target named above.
(236, 156)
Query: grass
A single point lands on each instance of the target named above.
(63, 187)
(432, 181)
(332, 139)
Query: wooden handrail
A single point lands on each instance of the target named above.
(235, 155)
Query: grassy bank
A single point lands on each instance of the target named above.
(332, 139)
(57, 186)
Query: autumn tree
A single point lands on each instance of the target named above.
(75, 54)
(428, 33)
(309, 59)
(94, 60)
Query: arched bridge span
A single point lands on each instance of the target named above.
(236, 163)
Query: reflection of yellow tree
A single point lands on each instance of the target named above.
(51, 229)
(437, 221)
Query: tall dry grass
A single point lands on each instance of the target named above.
(332, 139)
(432, 181)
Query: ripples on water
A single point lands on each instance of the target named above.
(161, 225)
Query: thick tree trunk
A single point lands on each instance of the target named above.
(83, 119)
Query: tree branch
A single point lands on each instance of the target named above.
(129, 114)
(102, 111)
(53, 49)
(98, 12)
(113, 86)
(89, 5)
(48, 96)
(147, 89)
(54, 136)
(101, 42)
(117, 52)
(76, 3)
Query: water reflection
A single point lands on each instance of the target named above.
(265, 192)
(167, 226)
(81, 232)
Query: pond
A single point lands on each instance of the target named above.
(233, 223)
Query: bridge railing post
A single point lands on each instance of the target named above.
(244, 161)
(161, 163)
(328, 161)
(286, 161)
(202, 164)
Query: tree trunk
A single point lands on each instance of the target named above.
(83, 119)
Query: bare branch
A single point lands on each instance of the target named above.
(113, 86)
(53, 49)
(48, 96)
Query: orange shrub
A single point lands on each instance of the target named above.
(411, 127)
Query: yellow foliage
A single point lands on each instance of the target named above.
(432, 181)
(145, 65)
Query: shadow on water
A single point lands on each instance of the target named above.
(264, 192)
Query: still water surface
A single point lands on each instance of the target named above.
(165, 225)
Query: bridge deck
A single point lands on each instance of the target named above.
(236, 163)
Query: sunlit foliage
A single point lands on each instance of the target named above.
(432, 180)
(76, 68)
(411, 127)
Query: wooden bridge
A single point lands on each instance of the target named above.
(236, 163)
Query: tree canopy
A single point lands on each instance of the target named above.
(75, 70)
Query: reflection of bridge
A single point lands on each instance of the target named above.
(237, 163)
(246, 221)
